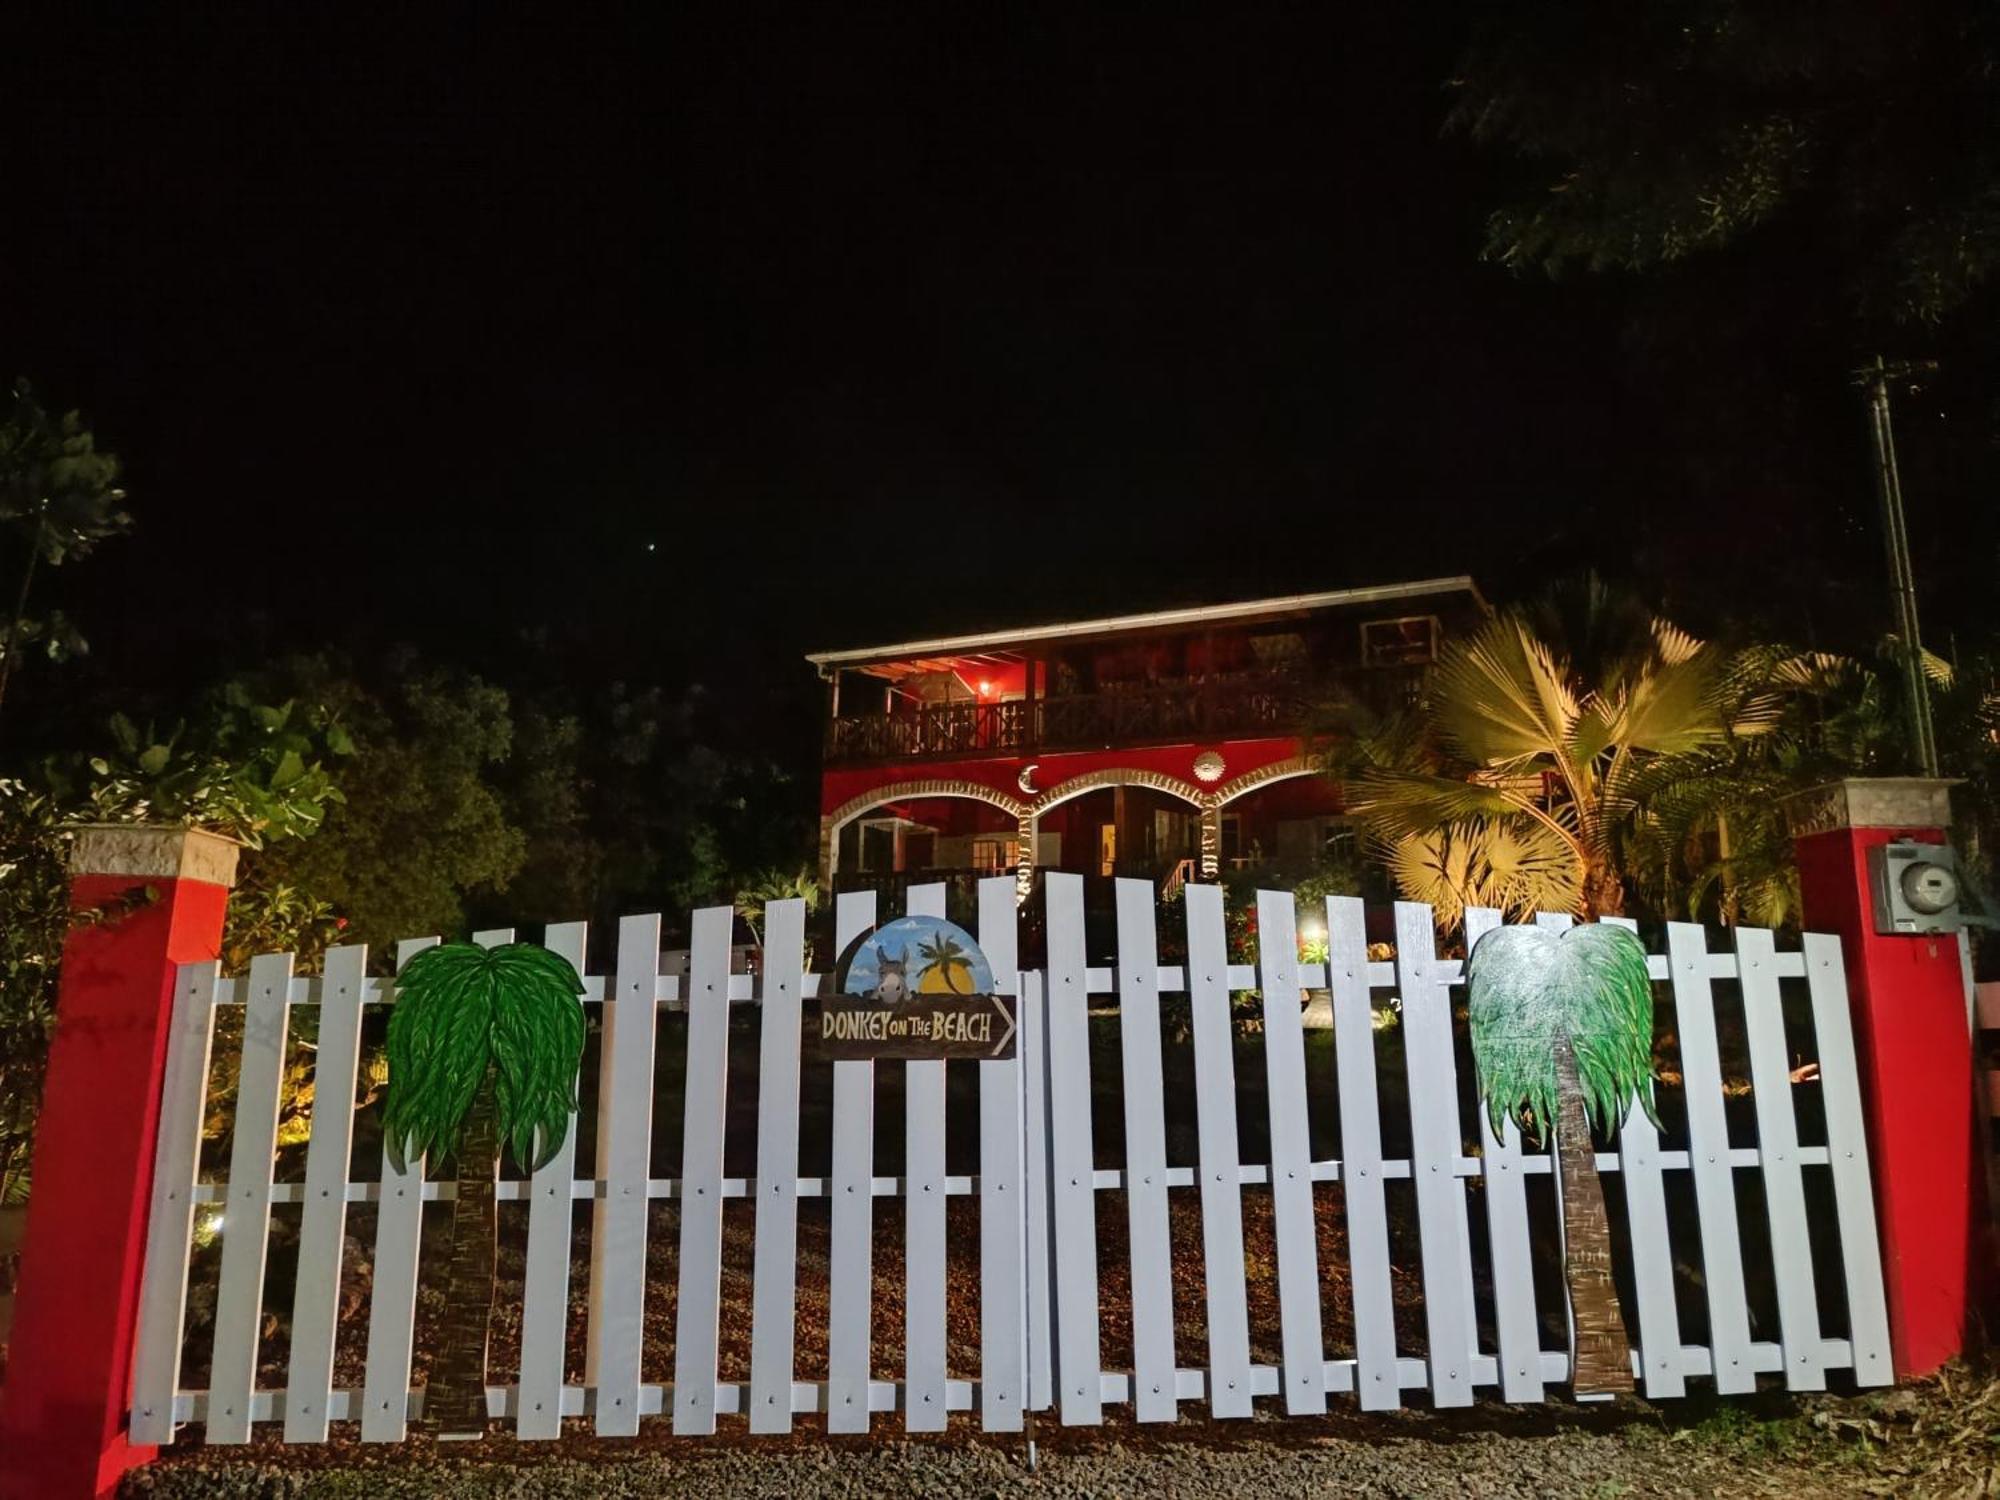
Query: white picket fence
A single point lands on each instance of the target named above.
(1037, 1187)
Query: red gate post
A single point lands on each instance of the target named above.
(1912, 1031)
(63, 1411)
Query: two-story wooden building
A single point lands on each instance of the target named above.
(1164, 745)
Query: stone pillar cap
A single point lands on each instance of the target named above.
(149, 851)
(1871, 802)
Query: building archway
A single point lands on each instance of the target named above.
(1113, 776)
(830, 824)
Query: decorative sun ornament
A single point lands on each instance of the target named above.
(1026, 780)
(1208, 767)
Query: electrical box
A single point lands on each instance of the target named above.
(1916, 887)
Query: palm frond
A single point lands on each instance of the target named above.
(1397, 804)
(1501, 697)
(462, 1011)
(1517, 867)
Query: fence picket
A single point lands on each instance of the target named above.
(323, 1224)
(1304, 1373)
(1514, 1316)
(246, 1230)
(851, 1252)
(1073, 1174)
(774, 1283)
(156, 1366)
(923, 1222)
(1002, 1223)
(1659, 1351)
(624, 1161)
(1778, 1156)
(392, 1299)
(1708, 1157)
(1154, 1395)
(698, 1315)
(1039, 1217)
(1847, 1150)
(1435, 1145)
(1221, 1163)
(551, 1227)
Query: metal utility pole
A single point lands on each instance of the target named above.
(1874, 379)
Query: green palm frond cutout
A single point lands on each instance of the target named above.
(462, 1011)
(1528, 988)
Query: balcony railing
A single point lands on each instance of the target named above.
(1250, 703)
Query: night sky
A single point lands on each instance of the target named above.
(692, 344)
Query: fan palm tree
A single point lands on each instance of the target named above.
(1513, 780)
(1562, 1036)
(942, 955)
(484, 1045)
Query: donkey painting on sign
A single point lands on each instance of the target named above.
(1562, 1034)
(483, 1051)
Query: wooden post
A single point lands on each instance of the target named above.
(1907, 993)
(63, 1420)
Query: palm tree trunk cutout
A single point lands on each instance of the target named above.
(483, 1051)
(455, 1399)
(1603, 1358)
(1562, 1034)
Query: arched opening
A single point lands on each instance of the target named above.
(919, 833)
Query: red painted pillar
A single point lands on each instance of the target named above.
(1914, 1044)
(62, 1414)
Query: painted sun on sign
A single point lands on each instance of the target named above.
(916, 988)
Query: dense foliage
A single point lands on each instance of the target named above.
(1673, 128)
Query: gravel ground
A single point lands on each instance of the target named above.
(1940, 1439)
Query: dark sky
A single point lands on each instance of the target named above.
(668, 334)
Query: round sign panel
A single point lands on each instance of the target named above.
(914, 956)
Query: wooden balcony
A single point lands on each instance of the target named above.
(1236, 706)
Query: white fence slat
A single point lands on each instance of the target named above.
(1079, 1360)
(774, 1283)
(1515, 1320)
(697, 1322)
(246, 1228)
(1215, 1123)
(1778, 1152)
(850, 1274)
(156, 1365)
(1144, 1090)
(1435, 1145)
(392, 1300)
(1039, 1219)
(625, 1150)
(551, 1227)
(1708, 1158)
(323, 1222)
(1847, 1151)
(1304, 1372)
(1002, 1222)
(923, 1222)
(1659, 1342)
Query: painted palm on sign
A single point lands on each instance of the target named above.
(1562, 1034)
(483, 1051)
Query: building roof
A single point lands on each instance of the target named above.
(999, 643)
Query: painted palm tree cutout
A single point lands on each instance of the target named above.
(1562, 1035)
(483, 1051)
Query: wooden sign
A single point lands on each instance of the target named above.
(922, 1026)
(916, 988)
